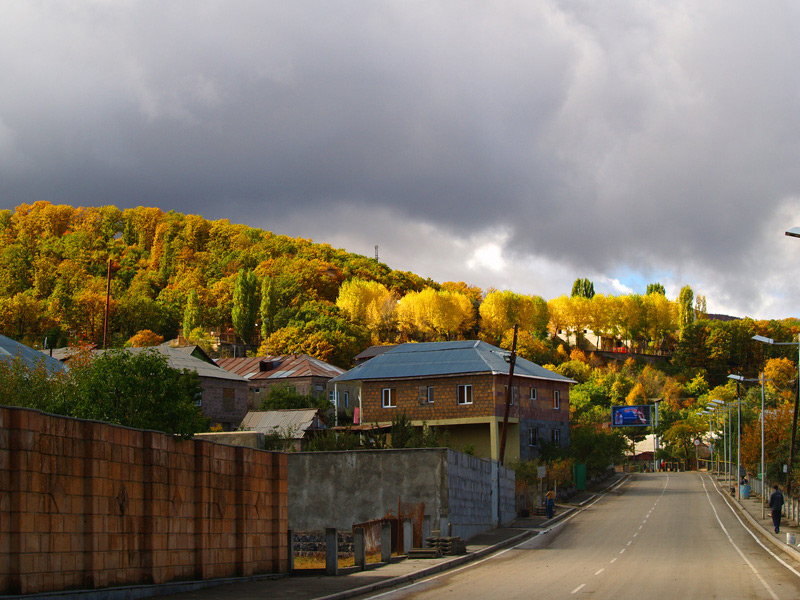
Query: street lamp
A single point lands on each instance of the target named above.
(794, 232)
(713, 405)
(738, 379)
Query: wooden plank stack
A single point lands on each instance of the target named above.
(449, 546)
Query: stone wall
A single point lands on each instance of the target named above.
(88, 505)
(471, 478)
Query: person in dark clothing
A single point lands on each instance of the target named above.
(550, 503)
(776, 505)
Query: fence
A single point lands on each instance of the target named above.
(85, 505)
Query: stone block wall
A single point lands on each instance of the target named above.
(88, 505)
(473, 485)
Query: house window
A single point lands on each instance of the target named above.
(228, 399)
(346, 399)
(556, 437)
(465, 394)
(430, 394)
(533, 436)
(556, 400)
(533, 393)
(389, 398)
(505, 394)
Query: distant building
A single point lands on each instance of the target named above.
(302, 373)
(460, 386)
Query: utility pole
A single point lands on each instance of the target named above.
(108, 299)
(509, 390)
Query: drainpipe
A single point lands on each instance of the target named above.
(336, 404)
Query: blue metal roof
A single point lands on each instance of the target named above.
(433, 359)
(10, 350)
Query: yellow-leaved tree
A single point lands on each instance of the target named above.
(501, 310)
(434, 315)
(370, 303)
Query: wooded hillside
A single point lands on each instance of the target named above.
(173, 273)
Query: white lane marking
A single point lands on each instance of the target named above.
(640, 527)
(578, 589)
(621, 551)
(613, 560)
(635, 534)
(758, 541)
(497, 554)
(730, 539)
(629, 543)
(600, 571)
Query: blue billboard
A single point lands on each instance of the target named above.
(631, 416)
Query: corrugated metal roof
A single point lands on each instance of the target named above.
(297, 421)
(445, 358)
(181, 360)
(301, 365)
(9, 350)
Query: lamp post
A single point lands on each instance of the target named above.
(713, 406)
(738, 379)
(794, 232)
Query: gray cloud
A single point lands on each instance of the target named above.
(605, 139)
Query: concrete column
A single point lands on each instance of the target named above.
(331, 552)
(426, 530)
(386, 542)
(290, 555)
(408, 534)
(359, 550)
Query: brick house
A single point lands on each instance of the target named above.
(460, 386)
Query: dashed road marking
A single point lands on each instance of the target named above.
(578, 589)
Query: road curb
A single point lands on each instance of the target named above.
(777, 543)
(445, 566)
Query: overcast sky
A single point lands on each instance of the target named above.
(516, 145)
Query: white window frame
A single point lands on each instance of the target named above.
(556, 400)
(532, 393)
(389, 398)
(505, 391)
(464, 391)
(430, 394)
(533, 437)
(346, 399)
(555, 436)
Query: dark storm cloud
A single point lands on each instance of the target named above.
(646, 136)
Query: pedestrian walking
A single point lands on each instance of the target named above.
(776, 505)
(550, 503)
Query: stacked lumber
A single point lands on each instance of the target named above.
(449, 546)
(432, 552)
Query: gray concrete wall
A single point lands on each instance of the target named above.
(337, 489)
(473, 494)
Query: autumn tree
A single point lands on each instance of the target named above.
(499, 311)
(245, 306)
(434, 315)
(370, 303)
(655, 288)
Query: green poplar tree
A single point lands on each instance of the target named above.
(191, 315)
(245, 306)
(269, 306)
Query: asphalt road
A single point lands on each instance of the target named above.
(657, 536)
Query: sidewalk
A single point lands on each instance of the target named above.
(750, 508)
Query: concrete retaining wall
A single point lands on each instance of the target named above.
(89, 505)
(338, 489)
